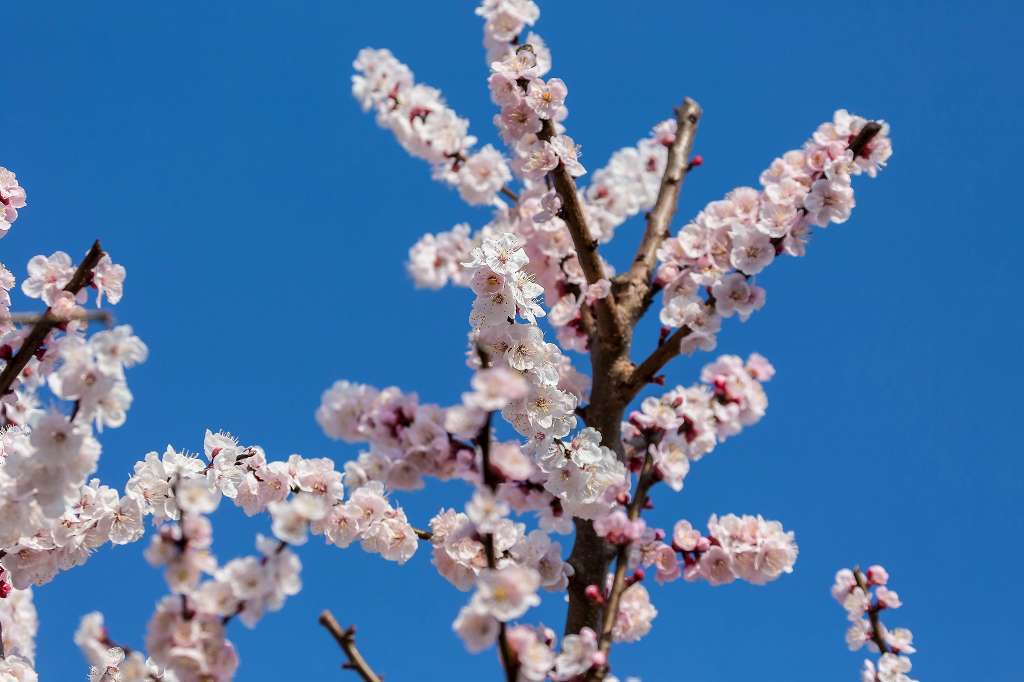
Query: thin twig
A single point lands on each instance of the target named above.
(490, 479)
(34, 341)
(876, 625)
(346, 639)
(645, 480)
(637, 281)
(104, 316)
(422, 534)
(651, 365)
(510, 194)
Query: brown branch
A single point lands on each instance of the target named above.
(644, 481)
(346, 639)
(636, 283)
(509, 193)
(858, 145)
(614, 376)
(608, 326)
(104, 316)
(647, 369)
(422, 534)
(34, 341)
(490, 479)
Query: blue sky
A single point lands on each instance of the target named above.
(264, 221)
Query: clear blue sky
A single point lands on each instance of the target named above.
(264, 221)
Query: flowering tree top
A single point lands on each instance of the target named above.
(586, 456)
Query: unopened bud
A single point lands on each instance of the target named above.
(594, 594)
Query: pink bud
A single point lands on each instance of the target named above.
(600, 658)
(697, 160)
(877, 575)
(593, 593)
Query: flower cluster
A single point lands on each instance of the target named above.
(460, 555)
(91, 373)
(48, 277)
(426, 127)
(190, 643)
(251, 586)
(583, 474)
(504, 22)
(865, 596)
(53, 518)
(741, 547)
(686, 424)
(38, 547)
(437, 259)
(708, 269)
(735, 547)
(629, 183)
(18, 626)
(301, 494)
(186, 638)
(531, 109)
(507, 593)
(407, 439)
(110, 661)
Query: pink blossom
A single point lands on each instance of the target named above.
(618, 529)
(546, 99)
(684, 536)
(12, 197)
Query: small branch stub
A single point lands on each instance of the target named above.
(346, 639)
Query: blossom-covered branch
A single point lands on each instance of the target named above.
(637, 287)
(865, 596)
(734, 239)
(32, 343)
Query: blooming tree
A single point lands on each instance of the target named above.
(558, 509)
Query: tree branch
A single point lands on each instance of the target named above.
(876, 629)
(34, 341)
(613, 372)
(422, 534)
(608, 326)
(104, 316)
(636, 282)
(509, 193)
(652, 364)
(490, 479)
(346, 639)
(645, 480)
(647, 369)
